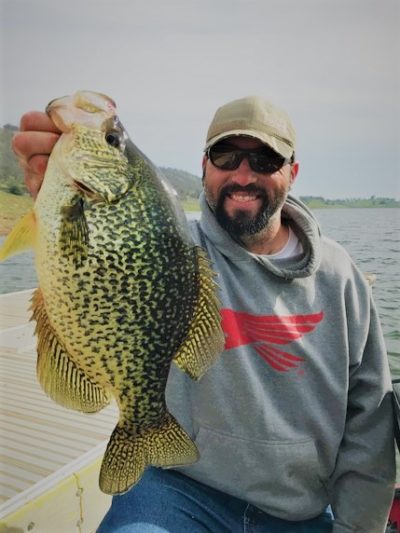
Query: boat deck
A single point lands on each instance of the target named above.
(47, 452)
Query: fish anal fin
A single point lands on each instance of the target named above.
(58, 375)
(21, 237)
(128, 454)
(205, 339)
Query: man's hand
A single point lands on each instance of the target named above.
(33, 145)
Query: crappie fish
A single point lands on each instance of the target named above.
(123, 291)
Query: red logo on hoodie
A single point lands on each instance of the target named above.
(266, 333)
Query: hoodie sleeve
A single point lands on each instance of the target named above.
(363, 480)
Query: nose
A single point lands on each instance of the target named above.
(243, 175)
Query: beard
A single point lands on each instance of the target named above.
(242, 223)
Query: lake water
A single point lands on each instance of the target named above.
(371, 236)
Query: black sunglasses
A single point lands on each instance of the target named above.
(262, 160)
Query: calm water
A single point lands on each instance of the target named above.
(371, 236)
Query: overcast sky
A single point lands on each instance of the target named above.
(332, 64)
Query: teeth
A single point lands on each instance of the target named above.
(243, 197)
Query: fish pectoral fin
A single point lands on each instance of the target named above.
(74, 233)
(127, 455)
(21, 237)
(58, 375)
(205, 339)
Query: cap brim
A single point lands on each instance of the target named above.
(278, 145)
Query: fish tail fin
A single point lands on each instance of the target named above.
(127, 455)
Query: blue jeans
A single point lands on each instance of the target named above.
(165, 501)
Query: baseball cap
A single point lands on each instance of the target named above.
(254, 117)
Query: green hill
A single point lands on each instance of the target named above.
(11, 176)
(12, 208)
(188, 186)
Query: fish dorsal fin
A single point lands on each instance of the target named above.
(205, 339)
(58, 375)
(21, 237)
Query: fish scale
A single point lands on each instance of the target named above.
(123, 290)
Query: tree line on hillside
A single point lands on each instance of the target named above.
(188, 186)
(11, 176)
(316, 202)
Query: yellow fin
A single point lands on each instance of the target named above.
(128, 454)
(205, 339)
(21, 237)
(58, 375)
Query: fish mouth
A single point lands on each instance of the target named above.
(83, 189)
(86, 107)
(93, 196)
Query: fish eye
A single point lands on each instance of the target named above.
(113, 139)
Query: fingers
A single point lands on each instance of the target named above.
(33, 149)
(33, 182)
(34, 172)
(33, 145)
(37, 121)
(27, 144)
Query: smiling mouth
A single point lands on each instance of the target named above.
(244, 197)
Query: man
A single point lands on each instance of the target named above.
(296, 413)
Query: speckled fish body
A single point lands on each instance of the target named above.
(123, 291)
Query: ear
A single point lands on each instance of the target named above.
(204, 162)
(294, 169)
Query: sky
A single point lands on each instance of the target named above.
(333, 65)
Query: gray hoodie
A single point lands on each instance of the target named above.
(296, 413)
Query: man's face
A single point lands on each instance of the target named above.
(246, 202)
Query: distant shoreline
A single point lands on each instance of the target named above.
(353, 203)
(14, 206)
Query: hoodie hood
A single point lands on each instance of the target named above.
(302, 222)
